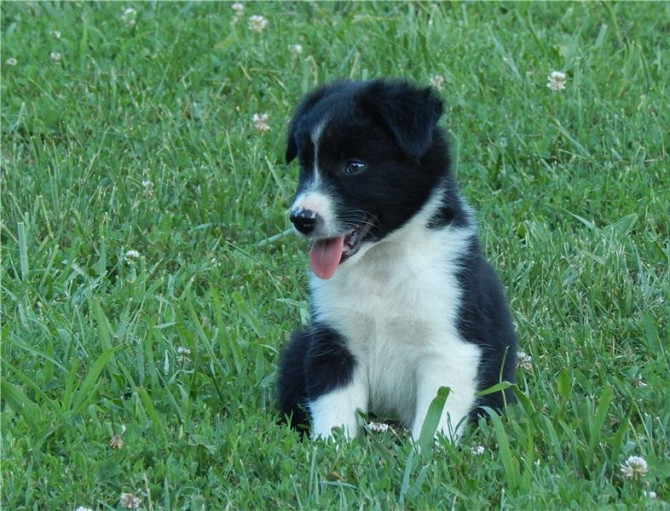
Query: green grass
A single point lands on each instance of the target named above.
(571, 188)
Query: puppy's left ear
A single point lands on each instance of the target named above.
(409, 112)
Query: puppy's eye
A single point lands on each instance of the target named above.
(354, 167)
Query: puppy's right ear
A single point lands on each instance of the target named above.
(291, 147)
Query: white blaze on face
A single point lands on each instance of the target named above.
(316, 138)
(314, 202)
(314, 198)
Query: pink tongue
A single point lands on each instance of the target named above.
(325, 256)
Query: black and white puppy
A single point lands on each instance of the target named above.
(403, 301)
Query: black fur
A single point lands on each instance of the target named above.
(316, 361)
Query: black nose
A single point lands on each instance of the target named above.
(304, 220)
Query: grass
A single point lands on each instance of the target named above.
(139, 137)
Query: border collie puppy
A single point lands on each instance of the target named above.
(403, 301)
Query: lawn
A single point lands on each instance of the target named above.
(149, 279)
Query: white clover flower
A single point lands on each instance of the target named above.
(634, 467)
(524, 361)
(116, 442)
(639, 383)
(556, 80)
(130, 501)
(652, 495)
(295, 49)
(257, 23)
(83, 508)
(55, 56)
(148, 187)
(11, 61)
(129, 16)
(260, 123)
(132, 255)
(56, 34)
(238, 7)
(182, 354)
(437, 81)
(377, 427)
(477, 450)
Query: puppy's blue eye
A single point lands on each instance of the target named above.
(354, 167)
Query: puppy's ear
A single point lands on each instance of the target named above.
(409, 112)
(302, 110)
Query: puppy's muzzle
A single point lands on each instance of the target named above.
(305, 220)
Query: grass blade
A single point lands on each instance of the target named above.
(23, 250)
(151, 412)
(432, 420)
(85, 391)
(19, 402)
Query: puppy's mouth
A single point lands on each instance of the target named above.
(327, 254)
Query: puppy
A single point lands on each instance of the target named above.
(403, 301)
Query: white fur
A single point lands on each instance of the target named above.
(396, 302)
(340, 408)
(316, 172)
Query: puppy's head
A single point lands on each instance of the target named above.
(366, 164)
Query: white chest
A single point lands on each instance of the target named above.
(397, 305)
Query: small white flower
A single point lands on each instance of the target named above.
(477, 450)
(182, 355)
(56, 34)
(634, 467)
(130, 501)
(55, 56)
(132, 255)
(556, 80)
(437, 81)
(11, 61)
(257, 23)
(148, 187)
(129, 16)
(83, 508)
(116, 442)
(377, 427)
(238, 7)
(295, 49)
(524, 361)
(260, 123)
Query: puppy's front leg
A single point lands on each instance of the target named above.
(335, 386)
(461, 380)
(338, 409)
